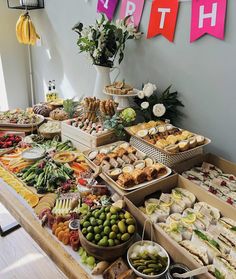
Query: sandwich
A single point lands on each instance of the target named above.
(223, 268)
(184, 195)
(214, 213)
(206, 241)
(200, 255)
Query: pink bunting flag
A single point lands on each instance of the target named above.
(133, 8)
(107, 7)
(208, 17)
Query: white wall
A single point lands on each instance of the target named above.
(14, 60)
(203, 72)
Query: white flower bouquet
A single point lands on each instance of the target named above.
(152, 105)
(105, 40)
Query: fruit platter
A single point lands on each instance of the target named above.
(125, 166)
(214, 180)
(168, 138)
(20, 118)
(200, 230)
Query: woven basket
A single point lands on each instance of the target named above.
(161, 157)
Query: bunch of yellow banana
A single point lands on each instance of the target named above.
(25, 30)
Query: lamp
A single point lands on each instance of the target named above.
(25, 4)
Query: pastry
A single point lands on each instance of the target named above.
(139, 176)
(42, 109)
(187, 134)
(162, 143)
(200, 140)
(192, 142)
(183, 145)
(58, 114)
(115, 269)
(152, 173)
(173, 148)
(118, 88)
(125, 180)
(171, 139)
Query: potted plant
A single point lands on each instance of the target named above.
(104, 42)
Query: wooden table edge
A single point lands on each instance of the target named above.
(65, 262)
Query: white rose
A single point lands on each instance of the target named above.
(141, 94)
(159, 110)
(148, 89)
(144, 105)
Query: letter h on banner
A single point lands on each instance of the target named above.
(208, 17)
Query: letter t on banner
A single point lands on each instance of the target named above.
(163, 19)
(208, 17)
(134, 8)
(107, 7)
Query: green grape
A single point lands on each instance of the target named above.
(90, 261)
(81, 251)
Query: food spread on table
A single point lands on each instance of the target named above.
(125, 165)
(214, 180)
(65, 191)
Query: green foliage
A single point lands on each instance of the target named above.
(104, 40)
(70, 106)
(118, 124)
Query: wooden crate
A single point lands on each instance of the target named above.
(85, 139)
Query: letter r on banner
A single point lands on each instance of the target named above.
(133, 8)
(107, 7)
(163, 19)
(208, 17)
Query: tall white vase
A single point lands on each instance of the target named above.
(102, 79)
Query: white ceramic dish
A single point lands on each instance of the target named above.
(33, 154)
(163, 251)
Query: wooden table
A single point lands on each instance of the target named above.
(31, 224)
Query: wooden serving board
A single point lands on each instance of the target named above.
(60, 256)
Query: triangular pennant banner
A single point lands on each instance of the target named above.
(107, 7)
(163, 18)
(208, 17)
(133, 8)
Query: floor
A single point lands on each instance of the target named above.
(21, 257)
